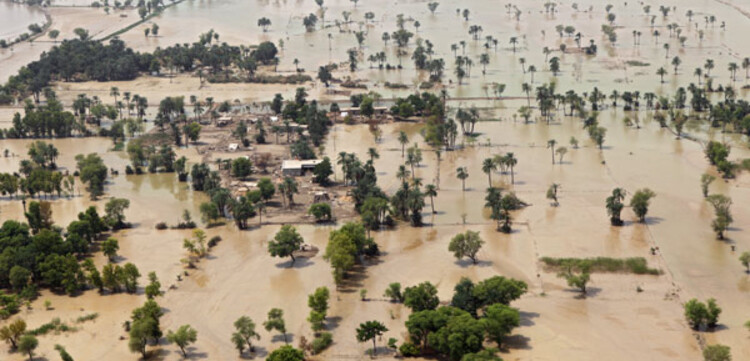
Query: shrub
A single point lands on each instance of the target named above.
(322, 342)
(408, 349)
(214, 241)
(161, 226)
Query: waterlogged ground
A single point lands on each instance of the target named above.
(615, 322)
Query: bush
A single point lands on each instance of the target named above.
(214, 241)
(408, 349)
(161, 226)
(322, 342)
(321, 212)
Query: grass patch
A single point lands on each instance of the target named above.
(637, 63)
(89, 317)
(55, 325)
(636, 265)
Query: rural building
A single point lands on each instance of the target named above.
(295, 168)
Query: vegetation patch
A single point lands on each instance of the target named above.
(89, 317)
(637, 63)
(261, 79)
(636, 265)
(55, 325)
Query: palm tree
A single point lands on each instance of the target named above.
(661, 72)
(114, 92)
(666, 48)
(513, 41)
(373, 153)
(484, 59)
(511, 161)
(614, 206)
(523, 64)
(532, 70)
(709, 65)
(676, 63)
(462, 174)
(527, 89)
(431, 191)
(733, 70)
(487, 167)
(403, 139)
(551, 144)
(402, 174)
(746, 66)
(698, 73)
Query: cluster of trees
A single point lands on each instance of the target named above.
(306, 113)
(717, 154)
(477, 312)
(699, 314)
(85, 59)
(43, 121)
(36, 254)
(222, 204)
(92, 172)
(161, 159)
(345, 246)
(426, 105)
(500, 207)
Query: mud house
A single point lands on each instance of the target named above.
(296, 168)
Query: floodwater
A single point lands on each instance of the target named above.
(15, 19)
(615, 321)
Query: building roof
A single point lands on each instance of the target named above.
(299, 164)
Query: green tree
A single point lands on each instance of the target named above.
(27, 344)
(209, 212)
(267, 189)
(276, 322)
(403, 139)
(431, 191)
(499, 320)
(394, 292)
(13, 331)
(321, 212)
(323, 171)
(115, 212)
(421, 297)
(110, 248)
(183, 337)
(245, 333)
(723, 216)
(462, 174)
(461, 335)
(488, 166)
(318, 303)
(371, 330)
(466, 244)
(640, 202)
(242, 167)
(285, 243)
(575, 279)
(706, 180)
(614, 206)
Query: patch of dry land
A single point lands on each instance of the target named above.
(622, 316)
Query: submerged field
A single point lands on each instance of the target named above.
(623, 317)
